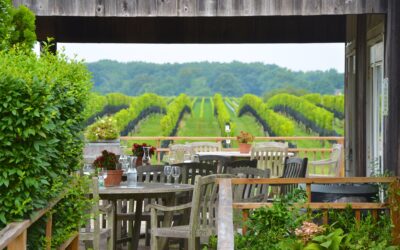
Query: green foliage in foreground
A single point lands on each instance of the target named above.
(320, 116)
(17, 26)
(123, 117)
(41, 125)
(222, 114)
(284, 226)
(175, 108)
(279, 124)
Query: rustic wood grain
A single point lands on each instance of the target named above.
(202, 7)
(225, 224)
(392, 55)
(12, 232)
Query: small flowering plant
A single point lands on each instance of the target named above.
(107, 160)
(308, 230)
(137, 149)
(245, 137)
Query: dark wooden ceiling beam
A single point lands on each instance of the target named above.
(311, 29)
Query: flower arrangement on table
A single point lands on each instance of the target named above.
(137, 149)
(108, 161)
(244, 139)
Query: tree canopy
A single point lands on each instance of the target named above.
(205, 78)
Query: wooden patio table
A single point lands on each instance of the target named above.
(139, 193)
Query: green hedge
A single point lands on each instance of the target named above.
(117, 99)
(174, 110)
(41, 115)
(222, 114)
(317, 115)
(332, 102)
(95, 104)
(277, 123)
(138, 104)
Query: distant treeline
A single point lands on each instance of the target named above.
(206, 79)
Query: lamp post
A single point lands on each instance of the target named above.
(227, 132)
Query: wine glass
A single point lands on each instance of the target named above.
(88, 169)
(187, 157)
(146, 156)
(103, 173)
(176, 172)
(168, 172)
(123, 159)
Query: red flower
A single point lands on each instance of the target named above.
(137, 149)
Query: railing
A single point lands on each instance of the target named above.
(225, 219)
(14, 235)
(310, 153)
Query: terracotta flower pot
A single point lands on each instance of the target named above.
(114, 178)
(139, 161)
(244, 148)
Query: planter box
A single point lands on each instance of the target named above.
(93, 149)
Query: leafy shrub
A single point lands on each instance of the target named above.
(269, 227)
(40, 128)
(17, 26)
(332, 103)
(272, 122)
(95, 104)
(103, 129)
(222, 113)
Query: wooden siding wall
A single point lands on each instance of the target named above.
(133, 8)
(392, 137)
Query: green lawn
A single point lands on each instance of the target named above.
(194, 125)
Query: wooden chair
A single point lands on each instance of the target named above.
(250, 192)
(240, 164)
(191, 169)
(177, 151)
(294, 168)
(332, 165)
(217, 160)
(196, 147)
(270, 157)
(94, 232)
(203, 214)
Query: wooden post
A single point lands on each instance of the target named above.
(308, 191)
(342, 171)
(394, 200)
(19, 243)
(361, 95)
(49, 226)
(225, 216)
(245, 215)
(158, 145)
(392, 57)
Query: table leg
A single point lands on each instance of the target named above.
(114, 231)
(137, 223)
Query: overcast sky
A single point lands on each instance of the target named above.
(293, 56)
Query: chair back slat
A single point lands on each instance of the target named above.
(177, 151)
(196, 147)
(239, 164)
(250, 192)
(294, 168)
(204, 212)
(191, 169)
(270, 157)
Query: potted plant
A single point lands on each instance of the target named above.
(244, 139)
(102, 135)
(109, 161)
(104, 129)
(138, 150)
